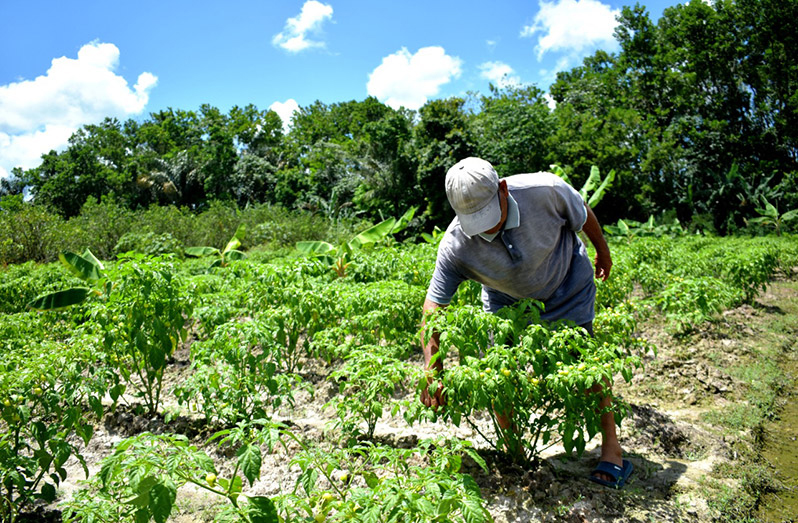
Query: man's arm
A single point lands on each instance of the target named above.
(592, 229)
(430, 350)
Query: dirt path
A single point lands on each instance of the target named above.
(683, 435)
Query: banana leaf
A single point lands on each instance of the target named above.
(60, 299)
(404, 220)
(602, 189)
(234, 255)
(235, 241)
(592, 181)
(373, 234)
(314, 247)
(90, 256)
(87, 270)
(201, 251)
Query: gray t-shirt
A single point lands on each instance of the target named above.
(537, 255)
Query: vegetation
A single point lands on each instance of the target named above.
(251, 326)
(694, 122)
(695, 114)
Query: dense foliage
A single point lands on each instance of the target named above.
(250, 327)
(697, 114)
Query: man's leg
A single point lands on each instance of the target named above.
(610, 447)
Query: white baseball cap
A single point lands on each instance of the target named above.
(472, 187)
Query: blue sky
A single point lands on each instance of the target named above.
(66, 64)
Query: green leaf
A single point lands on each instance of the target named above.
(88, 270)
(404, 220)
(235, 255)
(602, 189)
(591, 183)
(249, 457)
(308, 480)
(235, 241)
(473, 511)
(262, 510)
(162, 499)
(789, 215)
(199, 252)
(371, 480)
(373, 234)
(770, 210)
(48, 493)
(559, 171)
(314, 247)
(60, 299)
(93, 259)
(477, 458)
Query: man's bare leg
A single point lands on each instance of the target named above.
(610, 447)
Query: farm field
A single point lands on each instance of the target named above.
(276, 387)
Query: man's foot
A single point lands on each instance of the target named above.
(614, 457)
(619, 474)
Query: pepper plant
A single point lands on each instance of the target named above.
(379, 483)
(45, 391)
(236, 376)
(366, 384)
(141, 479)
(143, 322)
(531, 379)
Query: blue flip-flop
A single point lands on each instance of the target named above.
(619, 474)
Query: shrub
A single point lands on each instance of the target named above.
(148, 243)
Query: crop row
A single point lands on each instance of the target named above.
(251, 328)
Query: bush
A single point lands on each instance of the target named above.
(148, 243)
(99, 226)
(30, 233)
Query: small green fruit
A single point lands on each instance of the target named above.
(211, 479)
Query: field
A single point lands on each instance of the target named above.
(285, 387)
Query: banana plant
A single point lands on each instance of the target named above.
(594, 188)
(339, 257)
(434, 238)
(86, 267)
(769, 216)
(225, 256)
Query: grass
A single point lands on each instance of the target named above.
(734, 490)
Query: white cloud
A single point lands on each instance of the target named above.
(294, 37)
(409, 80)
(39, 115)
(285, 110)
(573, 27)
(499, 74)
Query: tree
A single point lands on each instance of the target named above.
(511, 129)
(441, 138)
(94, 164)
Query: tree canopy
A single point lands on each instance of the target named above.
(697, 114)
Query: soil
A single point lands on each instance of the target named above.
(674, 449)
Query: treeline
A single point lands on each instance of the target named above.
(697, 114)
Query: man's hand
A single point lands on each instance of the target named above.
(433, 365)
(435, 400)
(603, 265)
(603, 260)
